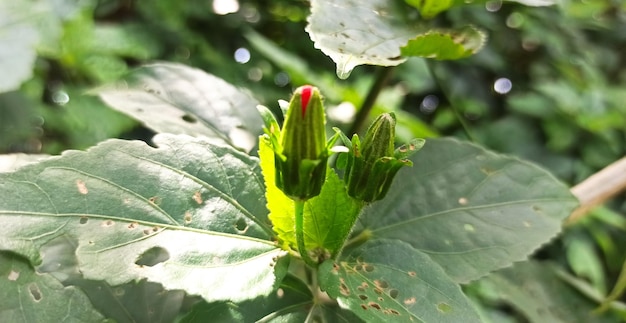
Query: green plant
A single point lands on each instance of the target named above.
(190, 214)
(198, 229)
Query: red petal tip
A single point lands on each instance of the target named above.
(307, 91)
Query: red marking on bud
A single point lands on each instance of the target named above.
(307, 90)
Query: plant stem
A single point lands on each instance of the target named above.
(382, 77)
(455, 110)
(299, 209)
(598, 188)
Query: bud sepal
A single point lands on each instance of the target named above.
(371, 165)
(300, 146)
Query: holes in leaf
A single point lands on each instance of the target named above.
(363, 306)
(187, 217)
(368, 268)
(363, 297)
(35, 292)
(189, 118)
(280, 293)
(153, 256)
(393, 293)
(391, 311)
(412, 274)
(132, 225)
(155, 200)
(381, 283)
(241, 225)
(374, 305)
(463, 201)
(83, 220)
(343, 288)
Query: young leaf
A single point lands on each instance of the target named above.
(27, 295)
(177, 99)
(430, 8)
(388, 280)
(189, 215)
(446, 44)
(471, 210)
(328, 218)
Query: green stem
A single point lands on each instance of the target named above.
(382, 77)
(300, 233)
(459, 116)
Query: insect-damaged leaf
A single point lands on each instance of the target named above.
(471, 210)
(27, 295)
(174, 98)
(189, 215)
(388, 280)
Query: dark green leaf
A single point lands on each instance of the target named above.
(29, 297)
(291, 298)
(471, 210)
(536, 291)
(388, 280)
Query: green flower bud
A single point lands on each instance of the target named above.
(372, 165)
(300, 148)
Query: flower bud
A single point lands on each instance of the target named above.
(372, 165)
(303, 154)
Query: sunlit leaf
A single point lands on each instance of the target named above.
(21, 26)
(353, 32)
(189, 215)
(177, 99)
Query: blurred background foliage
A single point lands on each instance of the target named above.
(549, 86)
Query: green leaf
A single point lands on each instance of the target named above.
(353, 33)
(23, 26)
(471, 210)
(292, 296)
(177, 99)
(189, 215)
(29, 297)
(328, 218)
(131, 302)
(536, 290)
(446, 44)
(430, 8)
(388, 280)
